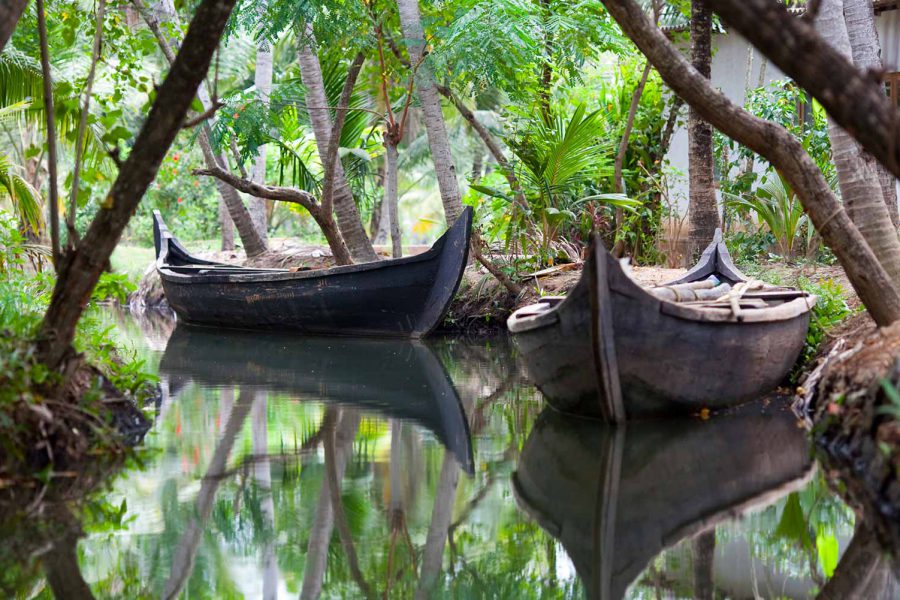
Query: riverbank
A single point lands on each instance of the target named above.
(854, 404)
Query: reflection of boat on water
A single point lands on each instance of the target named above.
(617, 497)
(397, 378)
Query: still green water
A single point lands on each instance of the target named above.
(283, 467)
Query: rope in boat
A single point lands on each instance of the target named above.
(733, 296)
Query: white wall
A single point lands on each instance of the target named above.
(729, 72)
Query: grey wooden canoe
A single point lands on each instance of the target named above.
(404, 297)
(399, 379)
(613, 350)
(615, 497)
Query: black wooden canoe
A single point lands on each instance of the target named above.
(613, 350)
(404, 297)
(615, 497)
(394, 378)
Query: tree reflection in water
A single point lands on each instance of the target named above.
(403, 455)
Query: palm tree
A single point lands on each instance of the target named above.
(345, 210)
(858, 173)
(25, 200)
(411, 23)
(703, 214)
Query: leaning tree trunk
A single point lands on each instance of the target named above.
(441, 517)
(10, 11)
(435, 128)
(391, 196)
(226, 225)
(254, 245)
(82, 268)
(263, 81)
(859, 16)
(618, 178)
(345, 210)
(779, 147)
(857, 170)
(703, 213)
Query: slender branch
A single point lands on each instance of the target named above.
(51, 134)
(492, 145)
(259, 190)
(334, 142)
(207, 114)
(82, 125)
(511, 286)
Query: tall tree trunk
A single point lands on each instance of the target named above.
(82, 268)
(774, 143)
(263, 81)
(866, 47)
(435, 128)
(10, 11)
(857, 170)
(546, 79)
(51, 135)
(62, 570)
(345, 210)
(226, 226)
(391, 196)
(254, 245)
(703, 213)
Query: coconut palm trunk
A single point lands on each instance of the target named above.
(263, 82)
(254, 245)
(703, 213)
(859, 16)
(857, 171)
(435, 128)
(391, 195)
(345, 210)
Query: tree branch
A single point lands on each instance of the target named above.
(269, 192)
(854, 99)
(334, 142)
(82, 268)
(207, 114)
(491, 143)
(774, 143)
(82, 125)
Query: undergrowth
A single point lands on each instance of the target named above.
(44, 423)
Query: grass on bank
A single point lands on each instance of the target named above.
(46, 422)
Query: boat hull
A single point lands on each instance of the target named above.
(406, 297)
(670, 360)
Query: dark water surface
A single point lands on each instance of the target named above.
(449, 479)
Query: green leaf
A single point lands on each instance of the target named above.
(827, 547)
(792, 525)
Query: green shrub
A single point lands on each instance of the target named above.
(831, 308)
